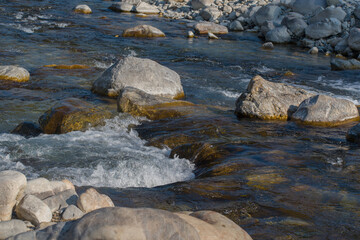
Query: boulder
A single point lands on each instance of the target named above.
(278, 35)
(357, 12)
(139, 103)
(91, 200)
(338, 64)
(295, 24)
(58, 186)
(61, 200)
(197, 4)
(40, 188)
(268, 100)
(143, 31)
(325, 110)
(34, 210)
(308, 6)
(141, 73)
(354, 39)
(85, 9)
(329, 12)
(266, 13)
(236, 26)
(206, 27)
(353, 135)
(122, 7)
(27, 129)
(72, 213)
(326, 28)
(210, 13)
(11, 228)
(14, 73)
(68, 184)
(72, 114)
(143, 7)
(12, 185)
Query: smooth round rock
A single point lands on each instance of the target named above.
(14, 73)
(84, 9)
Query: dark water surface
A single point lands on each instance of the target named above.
(278, 180)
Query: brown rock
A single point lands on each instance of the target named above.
(143, 31)
(206, 27)
(92, 200)
(14, 73)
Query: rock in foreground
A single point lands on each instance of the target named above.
(11, 228)
(34, 210)
(140, 73)
(325, 110)
(267, 100)
(72, 114)
(139, 103)
(353, 135)
(143, 31)
(14, 73)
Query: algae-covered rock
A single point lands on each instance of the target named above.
(143, 31)
(267, 100)
(72, 114)
(14, 73)
(139, 103)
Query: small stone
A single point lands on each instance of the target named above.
(212, 36)
(190, 34)
(14, 73)
(268, 46)
(72, 213)
(85, 9)
(34, 210)
(92, 200)
(11, 228)
(314, 50)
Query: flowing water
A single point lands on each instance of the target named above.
(278, 180)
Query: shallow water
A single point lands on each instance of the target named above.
(278, 180)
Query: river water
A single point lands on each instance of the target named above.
(278, 180)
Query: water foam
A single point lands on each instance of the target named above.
(107, 156)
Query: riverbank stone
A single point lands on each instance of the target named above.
(84, 9)
(329, 12)
(11, 228)
(72, 213)
(91, 200)
(198, 4)
(278, 35)
(295, 23)
(143, 7)
(122, 7)
(27, 129)
(61, 200)
(72, 114)
(39, 187)
(143, 31)
(353, 135)
(338, 64)
(14, 73)
(206, 27)
(12, 186)
(354, 39)
(266, 13)
(267, 100)
(141, 73)
(323, 29)
(326, 110)
(308, 6)
(139, 103)
(34, 210)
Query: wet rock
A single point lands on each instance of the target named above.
(190, 34)
(325, 110)
(236, 26)
(326, 28)
(206, 27)
(14, 73)
(127, 224)
(11, 228)
(212, 36)
(295, 24)
(144, 7)
(122, 7)
(268, 100)
(329, 12)
(85, 9)
(265, 178)
(72, 213)
(266, 13)
(278, 35)
(72, 114)
(61, 200)
(40, 188)
(268, 46)
(92, 200)
(143, 31)
(27, 129)
(308, 6)
(210, 13)
(139, 103)
(353, 135)
(143, 74)
(197, 4)
(314, 50)
(342, 64)
(354, 39)
(12, 185)
(34, 210)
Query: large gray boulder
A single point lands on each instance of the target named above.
(278, 35)
(11, 228)
(354, 39)
(268, 100)
(12, 185)
(329, 12)
(144, 74)
(197, 4)
(295, 23)
(326, 28)
(32, 209)
(14, 73)
(266, 13)
(353, 135)
(338, 64)
(308, 6)
(325, 110)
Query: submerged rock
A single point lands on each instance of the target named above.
(92, 200)
(27, 129)
(85, 9)
(14, 73)
(12, 185)
(11, 228)
(34, 210)
(141, 73)
(206, 27)
(353, 135)
(342, 64)
(145, 31)
(325, 110)
(268, 100)
(139, 103)
(72, 114)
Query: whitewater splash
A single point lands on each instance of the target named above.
(107, 156)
